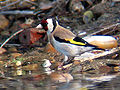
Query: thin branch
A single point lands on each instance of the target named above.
(11, 44)
(33, 3)
(10, 4)
(106, 28)
(23, 12)
(11, 37)
(16, 2)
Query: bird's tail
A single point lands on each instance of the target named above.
(95, 47)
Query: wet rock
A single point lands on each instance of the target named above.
(76, 6)
(105, 8)
(87, 17)
(18, 63)
(31, 35)
(46, 63)
(18, 72)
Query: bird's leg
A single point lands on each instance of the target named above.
(68, 60)
(65, 59)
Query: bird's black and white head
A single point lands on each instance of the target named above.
(49, 24)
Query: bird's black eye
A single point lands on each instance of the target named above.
(54, 24)
(44, 24)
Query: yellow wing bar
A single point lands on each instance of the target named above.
(75, 42)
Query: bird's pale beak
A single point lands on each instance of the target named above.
(40, 26)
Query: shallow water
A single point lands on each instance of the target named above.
(34, 80)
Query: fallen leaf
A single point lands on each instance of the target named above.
(14, 55)
(31, 35)
(2, 50)
(4, 22)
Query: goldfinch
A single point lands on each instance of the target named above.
(64, 41)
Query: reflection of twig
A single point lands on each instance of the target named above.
(11, 37)
(23, 12)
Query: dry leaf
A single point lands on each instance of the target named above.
(4, 23)
(14, 55)
(2, 50)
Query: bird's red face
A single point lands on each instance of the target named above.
(44, 24)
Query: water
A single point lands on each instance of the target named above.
(35, 80)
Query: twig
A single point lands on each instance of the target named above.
(19, 2)
(106, 28)
(11, 44)
(10, 4)
(33, 3)
(24, 12)
(11, 37)
(110, 26)
(4, 2)
(95, 56)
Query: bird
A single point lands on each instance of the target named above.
(64, 40)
